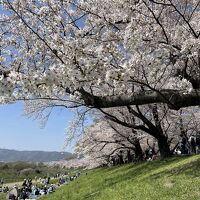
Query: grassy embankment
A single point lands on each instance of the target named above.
(173, 179)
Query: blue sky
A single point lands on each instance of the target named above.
(18, 132)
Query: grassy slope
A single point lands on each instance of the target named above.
(174, 179)
(2, 196)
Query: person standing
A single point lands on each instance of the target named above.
(192, 144)
(198, 142)
(184, 149)
(1, 182)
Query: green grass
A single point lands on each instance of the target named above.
(2, 196)
(173, 179)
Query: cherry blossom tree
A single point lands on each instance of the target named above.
(186, 121)
(104, 139)
(159, 122)
(105, 143)
(101, 53)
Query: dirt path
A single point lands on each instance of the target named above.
(11, 185)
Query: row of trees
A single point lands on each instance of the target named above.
(106, 139)
(134, 61)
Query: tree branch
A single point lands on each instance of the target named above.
(175, 99)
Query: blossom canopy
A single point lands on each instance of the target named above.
(103, 53)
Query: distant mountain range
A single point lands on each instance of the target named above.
(7, 155)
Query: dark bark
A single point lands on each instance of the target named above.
(138, 151)
(163, 144)
(175, 99)
(155, 130)
(120, 157)
(164, 148)
(129, 157)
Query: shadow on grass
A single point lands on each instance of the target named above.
(189, 169)
(98, 181)
(150, 170)
(135, 171)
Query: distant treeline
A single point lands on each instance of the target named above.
(32, 156)
(17, 171)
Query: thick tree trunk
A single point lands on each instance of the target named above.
(138, 151)
(164, 148)
(129, 157)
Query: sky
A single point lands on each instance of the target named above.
(20, 133)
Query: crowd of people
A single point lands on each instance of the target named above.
(186, 145)
(189, 145)
(42, 186)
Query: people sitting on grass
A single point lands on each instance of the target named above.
(30, 191)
